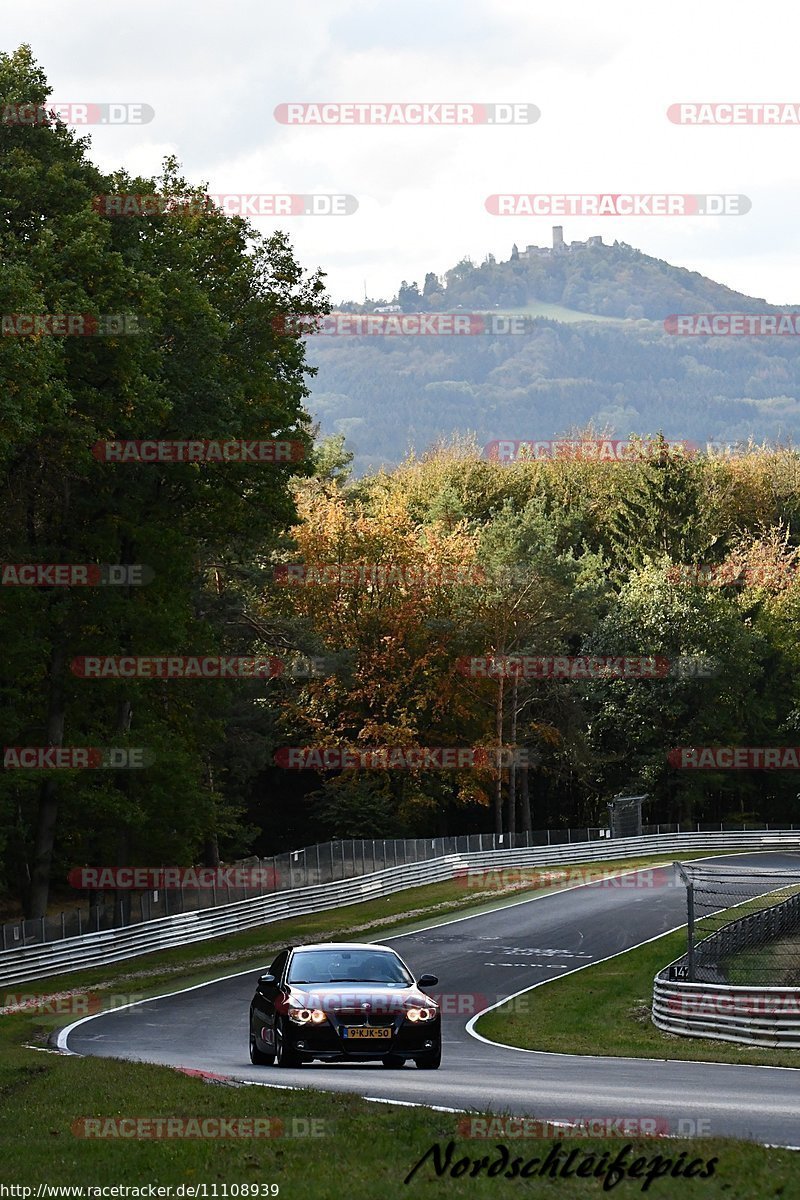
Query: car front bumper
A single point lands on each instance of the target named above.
(329, 1040)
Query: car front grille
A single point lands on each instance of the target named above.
(357, 1016)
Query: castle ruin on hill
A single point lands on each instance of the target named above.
(559, 246)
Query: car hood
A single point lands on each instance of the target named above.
(330, 997)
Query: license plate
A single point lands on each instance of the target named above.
(351, 1031)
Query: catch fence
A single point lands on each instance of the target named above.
(743, 926)
(322, 863)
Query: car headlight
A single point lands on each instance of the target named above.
(420, 1014)
(302, 1016)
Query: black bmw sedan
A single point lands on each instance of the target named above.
(345, 1002)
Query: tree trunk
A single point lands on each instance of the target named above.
(512, 770)
(122, 899)
(211, 852)
(526, 800)
(211, 841)
(39, 891)
(498, 796)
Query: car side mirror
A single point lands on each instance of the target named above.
(268, 978)
(427, 980)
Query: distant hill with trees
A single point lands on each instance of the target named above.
(606, 360)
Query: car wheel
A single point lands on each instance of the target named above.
(258, 1057)
(430, 1061)
(284, 1055)
(391, 1060)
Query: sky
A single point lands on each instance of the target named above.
(602, 76)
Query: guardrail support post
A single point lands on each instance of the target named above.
(690, 930)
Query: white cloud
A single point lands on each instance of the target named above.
(603, 77)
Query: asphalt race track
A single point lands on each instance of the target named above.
(480, 959)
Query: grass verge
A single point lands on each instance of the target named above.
(779, 962)
(605, 1009)
(357, 1149)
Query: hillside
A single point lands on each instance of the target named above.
(607, 359)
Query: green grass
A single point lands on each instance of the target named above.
(605, 1009)
(774, 964)
(558, 312)
(363, 1150)
(777, 964)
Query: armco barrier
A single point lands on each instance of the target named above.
(114, 945)
(756, 1016)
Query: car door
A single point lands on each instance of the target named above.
(263, 1007)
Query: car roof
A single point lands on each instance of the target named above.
(343, 946)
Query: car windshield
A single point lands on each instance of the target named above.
(349, 966)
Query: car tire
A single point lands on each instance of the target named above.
(259, 1058)
(431, 1061)
(391, 1060)
(284, 1056)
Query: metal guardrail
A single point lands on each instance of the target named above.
(752, 1015)
(307, 866)
(114, 945)
(763, 1016)
(324, 862)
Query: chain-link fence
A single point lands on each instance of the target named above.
(743, 926)
(322, 863)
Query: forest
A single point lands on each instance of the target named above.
(359, 595)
